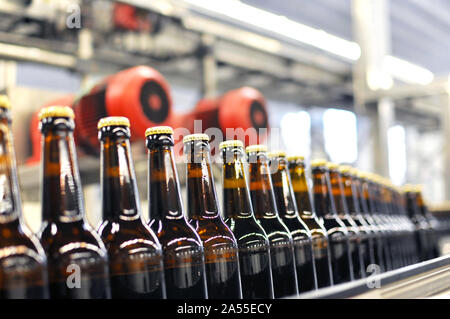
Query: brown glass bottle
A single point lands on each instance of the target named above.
(220, 246)
(281, 244)
(74, 250)
(430, 225)
(379, 234)
(366, 233)
(373, 203)
(320, 244)
(254, 249)
(23, 264)
(184, 264)
(135, 255)
(341, 262)
(357, 250)
(287, 209)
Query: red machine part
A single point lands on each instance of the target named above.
(35, 134)
(128, 18)
(240, 109)
(140, 93)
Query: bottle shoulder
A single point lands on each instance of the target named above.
(175, 234)
(19, 244)
(275, 229)
(128, 235)
(65, 239)
(213, 232)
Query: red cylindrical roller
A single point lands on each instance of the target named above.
(239, 109)
(140, 93)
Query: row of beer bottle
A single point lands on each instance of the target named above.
(272, 244)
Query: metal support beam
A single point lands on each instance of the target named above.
(446, 144)
(371, 30)
(209, 67)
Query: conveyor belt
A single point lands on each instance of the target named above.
(429, 279)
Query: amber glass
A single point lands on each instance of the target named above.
(357, 249)
(254, 250)
(220, 246)
(432, 250)
(321, 252)
(135, 255)
(23, 272)
(287, 209)
(372, 199)
(281, 244)
(379, 234)
(73, 248)
(366, 234)
(184, 267)
(337, 232)
(414, 201)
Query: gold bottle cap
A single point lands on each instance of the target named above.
(256, 148)
(295, 157)
(276, 154)
(318, 162)
(113, 121)
(158, 130)
(231, 143)
(5, 102)
(410, 188)
(345, 169)
(196, 137)
(56, 111)
(331, 165)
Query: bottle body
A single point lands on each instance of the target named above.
(319, 237)
(135, 255)
(253, 244)
(221, 250)
(78, 261)
(183, 254)
(281, 244)
(23, 264)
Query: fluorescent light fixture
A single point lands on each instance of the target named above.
(265, 20)
(296, 133)
(397, 154)
(340, 134)
(283, 26)
(407, 71)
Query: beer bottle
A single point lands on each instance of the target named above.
(373, 203)
(135, 255)
(220, 246)
(357, 250)
(184, 264)
(378, 232)
(366, 233)
(23, 272)
(337, 232)
(320, 244)
(414, 211)
(281, 245)
(433, 250)
(77, 257)
(287, 209)
(254, 250)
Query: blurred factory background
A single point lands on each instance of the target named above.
(364, 82)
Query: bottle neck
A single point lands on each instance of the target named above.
(62, 197)
(300, 188)
(323, 200)
(337, 190)
(120, 197)
(261, 190)
(164, 189)
(283, 190)
(350, 195)
(359, 195)
(10, 205)
(201, 194)
(236, 196)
